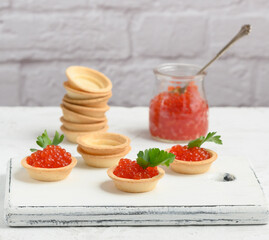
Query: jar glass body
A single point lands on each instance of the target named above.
(176, 115)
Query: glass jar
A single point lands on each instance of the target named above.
(175, 114)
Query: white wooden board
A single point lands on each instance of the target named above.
(88, 197)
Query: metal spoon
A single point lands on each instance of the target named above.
(245, 30)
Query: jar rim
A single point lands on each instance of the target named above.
(158, 71)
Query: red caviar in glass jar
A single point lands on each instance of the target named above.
(50, 157)
(179, 117)
(190, 154)
(130, 169)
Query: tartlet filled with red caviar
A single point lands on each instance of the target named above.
(143, 174)
(52, 163)
(192, 159)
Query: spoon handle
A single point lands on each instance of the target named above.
(245, 30)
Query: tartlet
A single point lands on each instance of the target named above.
(87, 111)
(79, 118)
(49, 174)
(88, 79)
(52, 162)
(80, 95)
(80, 127)
(134, 185)
(195, 167)
(142, 174)
(73, 135)
(100, 161)
(103, 143)
(192, 158)
(96, 102)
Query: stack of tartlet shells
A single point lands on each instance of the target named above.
(103, 150)
(85, 103)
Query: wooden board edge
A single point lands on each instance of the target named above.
(129, 215)
(7, 205)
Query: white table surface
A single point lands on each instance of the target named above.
(245, 131)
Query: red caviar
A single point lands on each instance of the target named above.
(50, 157)
(191, 154)
(174, 116)
(130, 169)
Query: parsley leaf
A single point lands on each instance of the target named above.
(44, 140)
(153, 157)
(57, 138)
(209, 138)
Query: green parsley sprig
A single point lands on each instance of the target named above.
(211, 137)
(44, 140)
(153, 157)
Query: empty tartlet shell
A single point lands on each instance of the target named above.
(135, 185)
(73, 135)
(82, 95)
(198, 167)
(87, 111)
(49, 174)
(79, 127)
(105, 161)
(103, 143)
(88, 79)
(79, 118)
(96, 102)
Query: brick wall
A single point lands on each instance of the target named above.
(125, 39)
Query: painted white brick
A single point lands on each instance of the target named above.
(229, 82)
(43, 83)
(197, 5)
(125, 40)
(166, 35)
(43, 5)
(222, 29)
(132, 85)
(259, 6)
(4, 3)
(126, 4)
(66, 36)
(261, 83)
(9, 85)
(211, 4)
